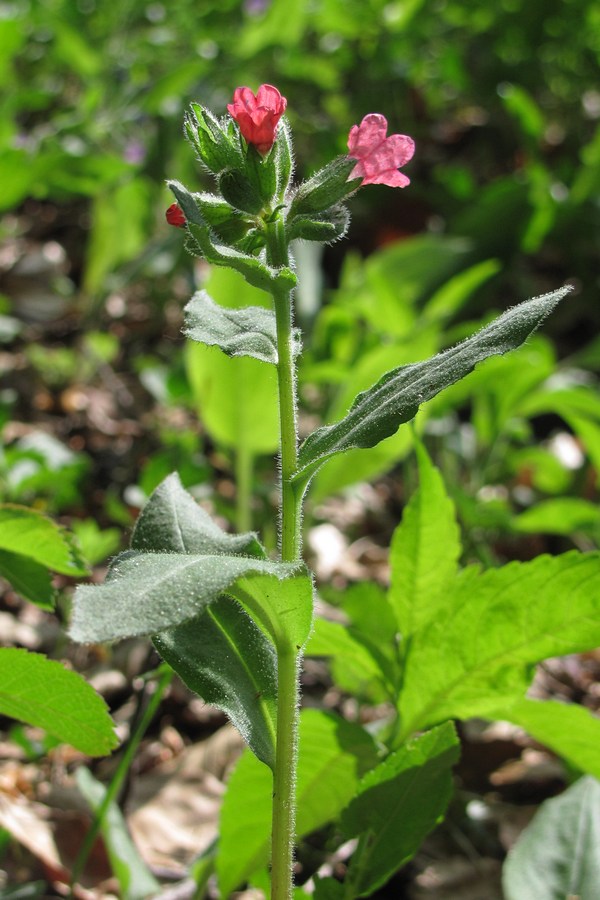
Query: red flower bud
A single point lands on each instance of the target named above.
(379, 157)
(258, 115)
(175, 216)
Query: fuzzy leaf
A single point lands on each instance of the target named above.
(284, 609)
(333, 755)
(395, 399)
(226, 659)
(249, 331)
(397, 804)
(41, 692)
(172, 520)
(424, 552)
(558, 854)
(476, 656)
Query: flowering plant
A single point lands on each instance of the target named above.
(234, 623)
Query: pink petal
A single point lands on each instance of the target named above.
(402, 148)
(391, 177)
(269, 97)
(364, 138)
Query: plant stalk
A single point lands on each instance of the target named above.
(288, 688)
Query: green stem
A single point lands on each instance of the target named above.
(284, 776)
(288, 659)
(166, 675)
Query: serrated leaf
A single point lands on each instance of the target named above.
(32, 534)
(397, 805)
(41, 692)
(333, 755)
(226, 659)
(249, 331)
(477, 655)
(172, 520)
(558, 854)
(568, 729)
(29, 578)
(135, 879)
(395, 399)
(424, 552)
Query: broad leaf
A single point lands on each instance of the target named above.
(135, 879)
(424, 551)
(249, 331)
(333, 755)
(172, 520)
(561, 515)
(226, 659)
(33, 535)
(568, 729)
(397, 805)
(145, 593)
(41, 692)
(477, 655)
(30, 579)
(558, 854)
(395, 399)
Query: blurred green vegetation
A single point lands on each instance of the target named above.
(504, 104)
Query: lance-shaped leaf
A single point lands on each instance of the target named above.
(172, 520)
(397, 805)
(225, 658)
(558, 854)
(249, 331)
(180, 562)
(395, 399)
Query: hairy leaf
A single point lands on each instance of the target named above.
(558, 854)
(41, 692)
(249, 331)
(226, 659)
(395, 399)
(397, 805)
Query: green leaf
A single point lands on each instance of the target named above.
(33, 535)
(172, 520)
(30, 579)
(249, 331)
(41, 692)
(284, 609)
(395, 399)
(397, 805)
(333, 755)
(328, 889)
(562, 515)
(424, 552)
(146, 593)
(135, 879)
(571, 731)
(558, 854)
(226, 659)
(477, 655)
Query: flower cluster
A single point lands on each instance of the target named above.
(253, 186)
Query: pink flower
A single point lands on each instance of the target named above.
(175, 216)
(379, 157)
(258, 116)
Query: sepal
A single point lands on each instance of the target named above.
(325, 227)
(326, 188)
(211, 139)
(240, 191)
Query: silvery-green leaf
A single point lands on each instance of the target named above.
(248, 331)
(395, 399)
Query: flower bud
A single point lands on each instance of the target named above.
(214, 146)
(325, 227)
(326, 188)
